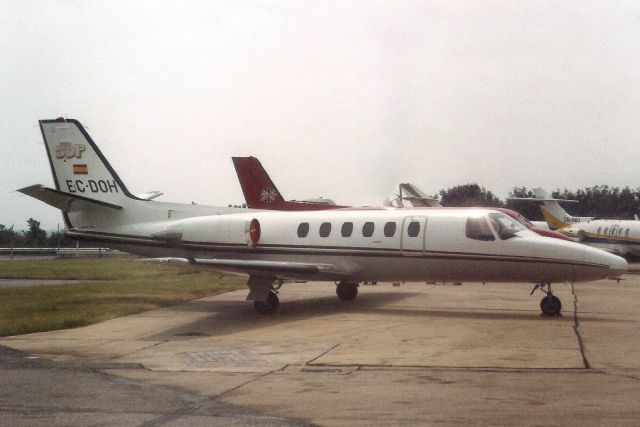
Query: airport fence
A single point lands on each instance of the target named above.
(63, 252)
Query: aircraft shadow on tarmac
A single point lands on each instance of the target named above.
(237, 316)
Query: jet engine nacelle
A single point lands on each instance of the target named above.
(223, 229)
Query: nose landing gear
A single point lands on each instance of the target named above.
(550, 305)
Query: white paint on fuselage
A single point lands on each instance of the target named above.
(441, 250)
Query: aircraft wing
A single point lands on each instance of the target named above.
(277, 269)
(66, 202)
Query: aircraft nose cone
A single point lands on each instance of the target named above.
(617, 266)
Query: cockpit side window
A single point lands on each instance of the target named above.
(478, 229)
(505, 226)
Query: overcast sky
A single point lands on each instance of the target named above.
(337, 99)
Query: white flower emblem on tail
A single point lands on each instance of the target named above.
(268, 195)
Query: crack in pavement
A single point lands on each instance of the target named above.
(576, 330)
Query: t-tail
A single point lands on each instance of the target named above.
(85, 182)
(554, 214)
(261, 193)
(415, 197)
(258, 189)
(88, 191)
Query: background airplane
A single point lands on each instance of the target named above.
(554, 214)
(411, 196)
(345, 246)
(261, 193)
(612, 235)
(416, 197)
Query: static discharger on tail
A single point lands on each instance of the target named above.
(345, 246)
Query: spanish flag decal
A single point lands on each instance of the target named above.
(80, 169)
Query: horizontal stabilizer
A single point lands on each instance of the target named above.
(64, 201)
(279, 269)
(150, 195)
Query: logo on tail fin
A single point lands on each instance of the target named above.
(68, 150)
(268, 195)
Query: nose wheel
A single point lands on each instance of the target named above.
(550, 304)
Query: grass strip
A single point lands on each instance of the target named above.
(121, 287)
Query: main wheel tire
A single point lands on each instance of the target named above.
(269, 306)
(347, 291)
(551, 305)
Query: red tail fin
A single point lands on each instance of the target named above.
(259, 191)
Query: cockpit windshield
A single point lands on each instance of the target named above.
(478, 229)
(505, 226)
(524, 221)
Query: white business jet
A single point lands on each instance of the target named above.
(346, 246)
(618, 236)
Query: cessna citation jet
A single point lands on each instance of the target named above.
(346, 246)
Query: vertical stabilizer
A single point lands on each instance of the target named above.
(553, 213)
(258, 189)
(78, 166)
(417, 197)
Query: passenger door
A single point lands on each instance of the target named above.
(613, 232)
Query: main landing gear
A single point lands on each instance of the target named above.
(347, 291)
(550, 305)
(263, 291)
(269, 306)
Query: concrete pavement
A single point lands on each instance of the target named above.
(414, 354)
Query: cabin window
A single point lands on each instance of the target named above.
(389, 229)
(626, 233)
(303, 229)
(325, 229)
(620, 231)
(599, 228)
(606, 229)
(413, 229)
(347, 229)
(367, 229)
(478, 229)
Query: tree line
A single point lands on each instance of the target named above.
(33, 237)
(601, 201)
